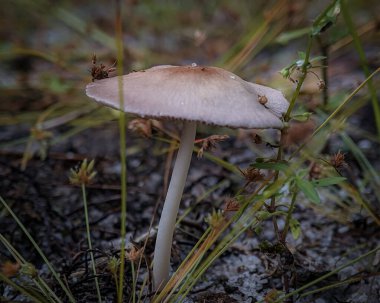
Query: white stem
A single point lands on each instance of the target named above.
(162, 251)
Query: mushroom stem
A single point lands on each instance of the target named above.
(162, 251)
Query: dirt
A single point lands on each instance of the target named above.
(51, 209)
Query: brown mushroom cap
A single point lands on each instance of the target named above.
(196, 93)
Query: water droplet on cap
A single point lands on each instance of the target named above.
(193, 65)
(232, 77)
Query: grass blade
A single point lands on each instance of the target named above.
(38, 249)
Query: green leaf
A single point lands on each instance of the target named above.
(308, 189)
(302, 117)
(302, 55)
(270, 191)
(285, 72)
(295, 228)
(326, 19)
(328, 181)
(263, 215)
(317, 58)
(284, 38)
(281, 166)
(258, 229)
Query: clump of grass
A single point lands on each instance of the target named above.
(22, 268)
(39, 251)
(83, 177)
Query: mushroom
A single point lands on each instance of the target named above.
(192, 94)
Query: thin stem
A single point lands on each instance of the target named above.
(284, 131)
(145, 281)
(22, 290)
(331, 273)
(43, 283)
(300, 81)
(15, 254)
(133, 282)
(89, 242)
(116, 283)
(363, 61)
(43, 291)
(161, 261)
(38, 249)
(334, 113)
(288, 217)
(123, 154)
(272, 207)
(324, 13)
(330, 286)
(324, 46)
(19, 259)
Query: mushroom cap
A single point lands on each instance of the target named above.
(196, 93)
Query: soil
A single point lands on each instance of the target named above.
(51, 208)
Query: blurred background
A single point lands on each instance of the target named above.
(46, 43)
(47, 47)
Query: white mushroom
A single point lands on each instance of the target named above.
(190, 93)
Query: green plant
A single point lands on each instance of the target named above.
(83, 177)
(39, 251)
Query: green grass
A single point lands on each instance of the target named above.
(123, 154)
(39, 251)
(363, 61)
